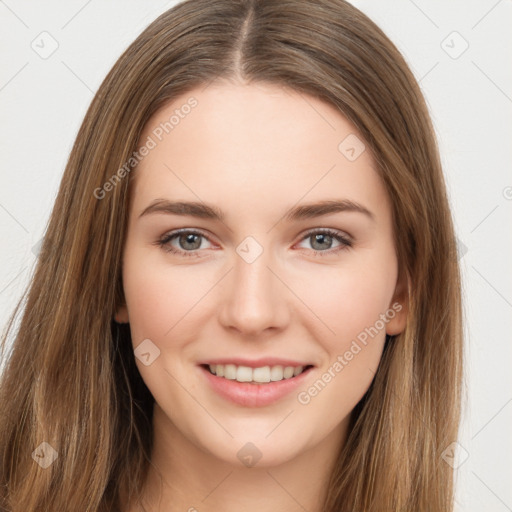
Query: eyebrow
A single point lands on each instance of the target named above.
(305, 211)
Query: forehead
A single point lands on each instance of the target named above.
(257, 146)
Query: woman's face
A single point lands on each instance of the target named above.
(285, 258)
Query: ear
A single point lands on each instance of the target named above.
(399, 306)
(121, 315)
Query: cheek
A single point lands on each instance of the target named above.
(351, 303)
(162, 302)
(348, 299)
(159, 298)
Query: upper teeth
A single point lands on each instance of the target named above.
(262, 374)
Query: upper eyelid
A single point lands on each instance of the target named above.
(195, 231)
(338, 232)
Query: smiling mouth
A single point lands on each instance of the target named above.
(262, 375)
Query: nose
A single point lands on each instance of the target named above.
(255, 300)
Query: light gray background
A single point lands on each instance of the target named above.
(43, 101)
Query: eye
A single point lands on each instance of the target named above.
(188, 242)
(322, 241)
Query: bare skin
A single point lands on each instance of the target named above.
(255, 151)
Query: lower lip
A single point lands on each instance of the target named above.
(254, 395)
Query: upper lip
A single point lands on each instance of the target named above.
(257, 363)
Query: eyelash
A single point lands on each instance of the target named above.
(346, 243)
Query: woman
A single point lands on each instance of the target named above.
(256, 368)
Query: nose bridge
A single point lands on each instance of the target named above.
(255, 299)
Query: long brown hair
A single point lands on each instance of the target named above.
(70, 379)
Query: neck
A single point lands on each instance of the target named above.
(193, 480)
